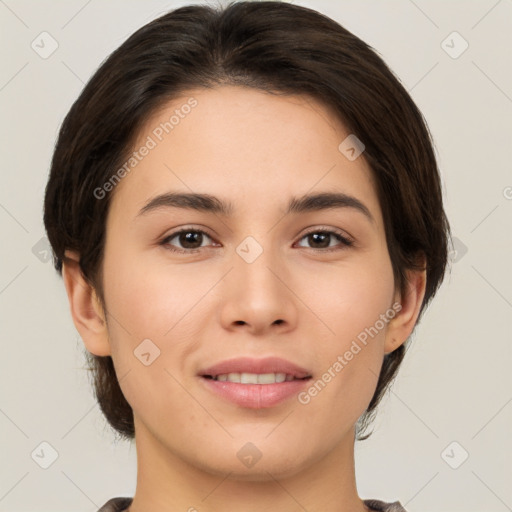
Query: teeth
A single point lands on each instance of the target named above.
(248, 378)
(254, 378)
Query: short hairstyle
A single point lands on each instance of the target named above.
(270, 46)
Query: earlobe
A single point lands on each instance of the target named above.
(85, 307)
(402, 325)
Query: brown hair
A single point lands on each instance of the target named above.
(271, 46)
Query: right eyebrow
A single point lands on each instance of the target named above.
(190, 201)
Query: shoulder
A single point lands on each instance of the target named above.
(382, 506)
(116, 505)
(122, 503)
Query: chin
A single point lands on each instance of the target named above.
(262, 471)
(256, 461)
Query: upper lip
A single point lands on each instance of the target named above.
(251, 365)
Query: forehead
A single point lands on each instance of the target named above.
(252, 147)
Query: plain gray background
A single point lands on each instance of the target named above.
(453, 395)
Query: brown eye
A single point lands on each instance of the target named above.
(322, 239)
(189, 239)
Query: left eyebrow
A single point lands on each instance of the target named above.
(328, 201)
(213, 204)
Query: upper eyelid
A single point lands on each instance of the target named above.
(335, 231)
(186, 230)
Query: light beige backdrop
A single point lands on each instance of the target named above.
(442, 440)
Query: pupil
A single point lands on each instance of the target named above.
(325, 236)
(189, 238)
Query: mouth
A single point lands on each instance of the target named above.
(255, 378)
(255, 383)
(247, 370)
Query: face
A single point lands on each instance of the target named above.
(306, 291)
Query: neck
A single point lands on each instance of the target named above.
(167, 483)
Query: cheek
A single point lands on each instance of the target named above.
(367, 295)
(150, 300)
(356, 304)
(350, 298)
(155, 310)
(148, 315)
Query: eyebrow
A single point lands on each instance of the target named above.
(297, 205)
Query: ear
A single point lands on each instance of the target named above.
(86, 309)
(402, 325)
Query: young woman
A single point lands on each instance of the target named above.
(246, 209)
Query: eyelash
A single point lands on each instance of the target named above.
(346, 242)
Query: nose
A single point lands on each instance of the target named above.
(257, 297)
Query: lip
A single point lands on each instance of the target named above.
(255, 396)
(251, 365)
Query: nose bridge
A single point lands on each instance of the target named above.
(256, 294)
(257, 263)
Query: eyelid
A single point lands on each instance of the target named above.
(164, 240)
(327, 229)
(346, 240)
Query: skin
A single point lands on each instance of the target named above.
(256, 150)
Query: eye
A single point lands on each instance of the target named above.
(322, 238)
(189, 238)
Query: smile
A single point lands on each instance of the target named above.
(253, 378)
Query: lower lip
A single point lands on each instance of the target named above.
(255, 396)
